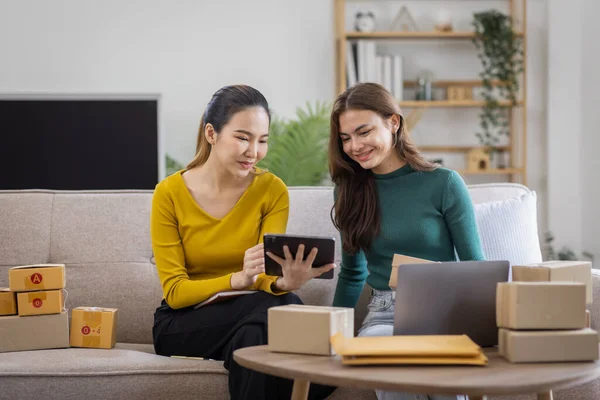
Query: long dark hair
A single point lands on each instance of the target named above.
(226, 102)
(355, 212)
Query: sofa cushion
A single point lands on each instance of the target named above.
(131, 287)
(128, 371)
(486, 192)
(310, 209)
(508, 229)
(123, 372)
(25, 220)
(101, 227)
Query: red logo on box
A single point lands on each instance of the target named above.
(36, 278)
(37, 303)
(85, 330)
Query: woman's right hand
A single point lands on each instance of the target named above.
(254, 264)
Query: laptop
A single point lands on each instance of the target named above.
(449, 298)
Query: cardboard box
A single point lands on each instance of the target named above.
(8, 302)
(402, 259)
(94, 327)
(548, 346)
(34, 333)
(556, 271)
(307, 329)
(40, 303)
(540, 305)
(29, 278)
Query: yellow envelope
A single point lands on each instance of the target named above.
(481, 359)
(408, 349)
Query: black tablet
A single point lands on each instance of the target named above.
(274, 243)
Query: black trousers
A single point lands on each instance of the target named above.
(217, 330)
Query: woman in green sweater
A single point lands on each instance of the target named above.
(389, 199)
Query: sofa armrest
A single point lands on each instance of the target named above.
(595, 309)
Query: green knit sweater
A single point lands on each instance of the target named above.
(423, 214)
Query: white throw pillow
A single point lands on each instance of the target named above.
(509, 231)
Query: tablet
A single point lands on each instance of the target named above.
(274, 243)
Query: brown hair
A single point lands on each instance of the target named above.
(223, 105)
(356, 206)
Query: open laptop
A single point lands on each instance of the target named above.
(449, 298)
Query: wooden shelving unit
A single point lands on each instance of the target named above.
(517, 172)
(414, 35)
(494, 171)
(453, 149)
(445, 103)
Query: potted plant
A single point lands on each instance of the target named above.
(501, 54)
(298, 147)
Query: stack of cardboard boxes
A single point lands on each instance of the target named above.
(36, 294)
(542, 316)
(33, 314)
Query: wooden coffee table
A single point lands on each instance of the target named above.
(499, 377)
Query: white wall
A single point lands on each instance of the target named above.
(590, 129)
(184, 50)
(564, 121)
(573, 120)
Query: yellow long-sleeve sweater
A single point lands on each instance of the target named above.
(195, 253)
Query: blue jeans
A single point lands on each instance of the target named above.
(380, 322)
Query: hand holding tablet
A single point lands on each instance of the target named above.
(299, 258)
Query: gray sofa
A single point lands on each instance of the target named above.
(103, 238)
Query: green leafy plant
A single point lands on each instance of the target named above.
(501, 54)
(172, 165)
(298, 147)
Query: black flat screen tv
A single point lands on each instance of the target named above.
(79, 143)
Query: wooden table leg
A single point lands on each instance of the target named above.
(545, 396)
(300, 389)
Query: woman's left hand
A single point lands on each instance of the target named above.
(296, 270)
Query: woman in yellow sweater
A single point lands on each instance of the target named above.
(207, 226)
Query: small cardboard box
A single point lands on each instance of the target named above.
(555, 271)
(34, 333)
(8, 302)
(548, 346)
(307, 329)
(40, 303)
(94, 327)
(540, 305)
(29, 278)
(402, 259)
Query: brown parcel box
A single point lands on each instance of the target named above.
(540, 305)
(28, 278)
(40, 303)
(402, 259)
(34, 333)
(554, 271)
(548, 346)
(94, 327)
(8, 302)
(307, 329)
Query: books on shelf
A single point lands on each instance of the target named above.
(363, 64)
